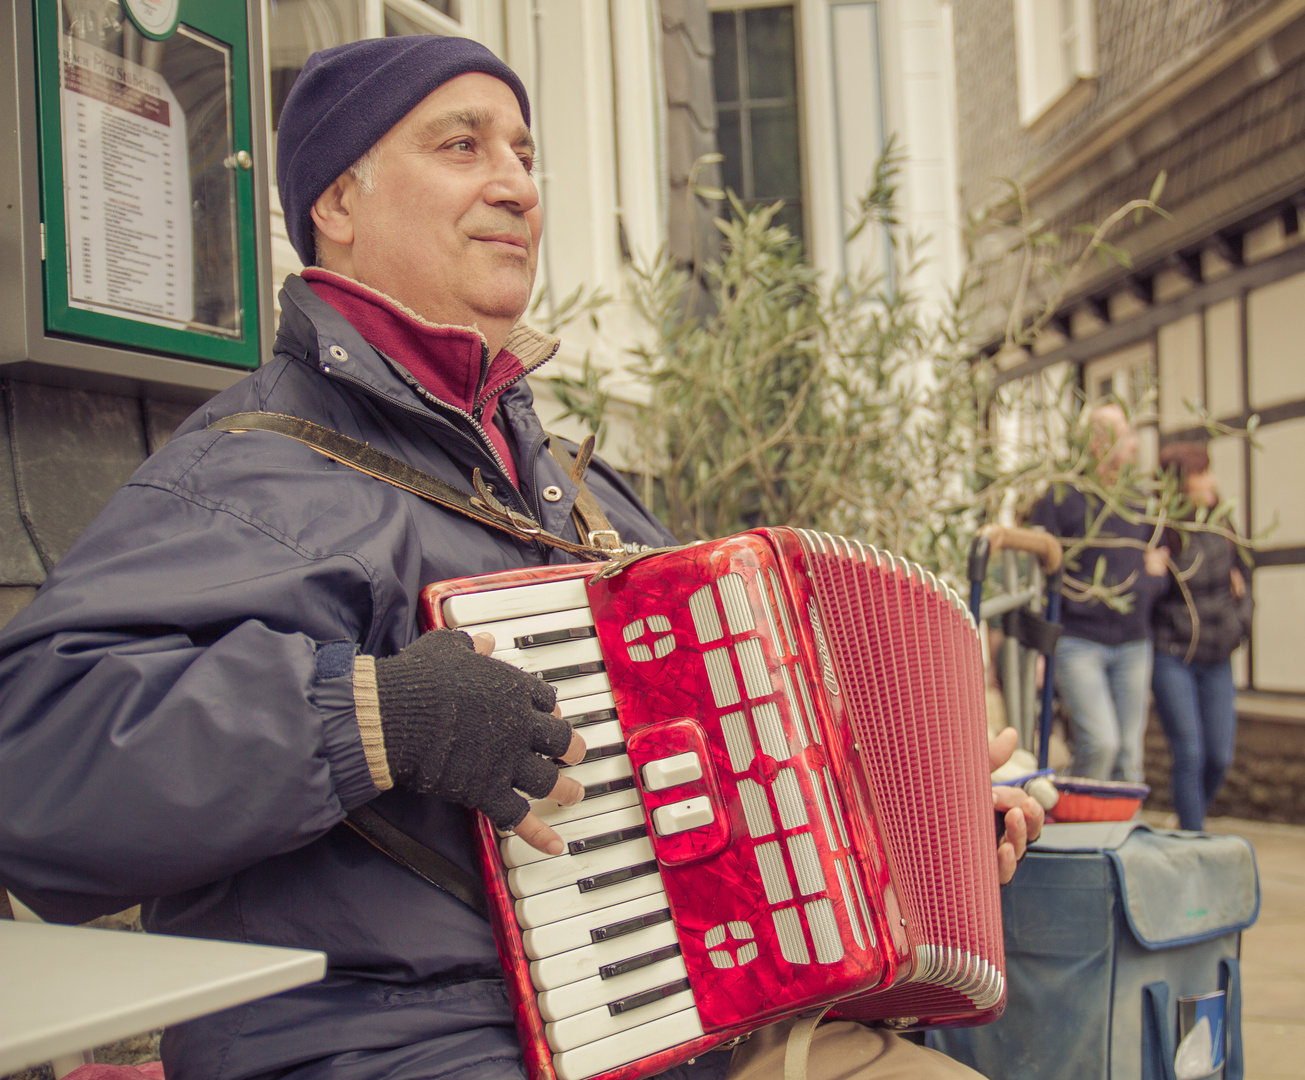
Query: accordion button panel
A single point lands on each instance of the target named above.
(680, 817)
(672, 771)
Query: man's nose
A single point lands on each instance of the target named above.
(510, 185)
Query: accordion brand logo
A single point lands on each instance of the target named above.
(822, 647)
(730, 944)
(637, 633)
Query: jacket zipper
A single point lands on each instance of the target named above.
(534, 455)
(483, 443)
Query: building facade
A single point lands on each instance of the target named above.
(802, 97)
(1086, 103)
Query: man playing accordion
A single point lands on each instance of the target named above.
(227, 662)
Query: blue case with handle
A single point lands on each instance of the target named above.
(1108, 925)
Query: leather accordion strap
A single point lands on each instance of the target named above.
(590, 520)
(427, 864)
(481, 507)
(799, 1044)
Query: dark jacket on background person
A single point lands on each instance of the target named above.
(177, 720)
(1094, 621)
(1206, 561)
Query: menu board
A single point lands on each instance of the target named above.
(127, 188)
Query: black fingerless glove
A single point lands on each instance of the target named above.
(467, 727)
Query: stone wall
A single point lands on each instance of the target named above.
(1267, 778)
(1138, 43)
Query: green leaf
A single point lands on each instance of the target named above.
(1158, 186)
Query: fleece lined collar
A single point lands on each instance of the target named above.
(450, 362)
(531, 347)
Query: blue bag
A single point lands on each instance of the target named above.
(1108, 925)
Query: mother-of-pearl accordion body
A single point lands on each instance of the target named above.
(787, 805)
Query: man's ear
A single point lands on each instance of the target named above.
(332, 213)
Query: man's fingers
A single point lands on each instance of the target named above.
(1034, 817)
(1005, 863)
(574, 752)
(1017, 832)
(539, 836)
(568, 792)
(1001, 746)
(1022, 818)
(1005, 799)
(484, 643)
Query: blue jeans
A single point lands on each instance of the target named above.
(1105, 688)
(1196, 707)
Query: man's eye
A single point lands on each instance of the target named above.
(528, 162)
(466, 145)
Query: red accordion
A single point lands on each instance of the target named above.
(787, 805)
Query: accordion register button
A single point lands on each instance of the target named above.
(672, 771)
(678, 817)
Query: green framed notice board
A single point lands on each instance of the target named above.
(147, 185)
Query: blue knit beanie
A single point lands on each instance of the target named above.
(347, 97)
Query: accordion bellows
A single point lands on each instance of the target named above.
(788, 802)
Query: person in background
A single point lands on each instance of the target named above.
(1197, 623)
(1103, 658)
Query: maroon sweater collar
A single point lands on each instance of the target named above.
(448, 361)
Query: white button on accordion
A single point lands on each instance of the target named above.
(788, 800)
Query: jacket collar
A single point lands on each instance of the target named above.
(314, 332)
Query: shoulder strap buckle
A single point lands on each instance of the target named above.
(606, 540)
(484, 500)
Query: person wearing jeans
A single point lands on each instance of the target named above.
(1105, 689)
(1103, 658)
(1196, 707)
(1198, 622)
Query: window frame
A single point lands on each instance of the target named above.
(1040, 33)
(799, 104)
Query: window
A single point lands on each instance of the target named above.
(1056, 51)
(755, 70)
(299, 28)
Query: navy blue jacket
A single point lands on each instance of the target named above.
(172, 727)
(1069, 519)
(1206, 561)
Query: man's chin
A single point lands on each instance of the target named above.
(506, 302)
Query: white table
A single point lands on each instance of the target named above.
(66, 988)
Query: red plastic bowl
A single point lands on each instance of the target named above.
(1082, 799)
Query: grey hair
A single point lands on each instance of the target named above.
(365, 172)
(366, 169)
